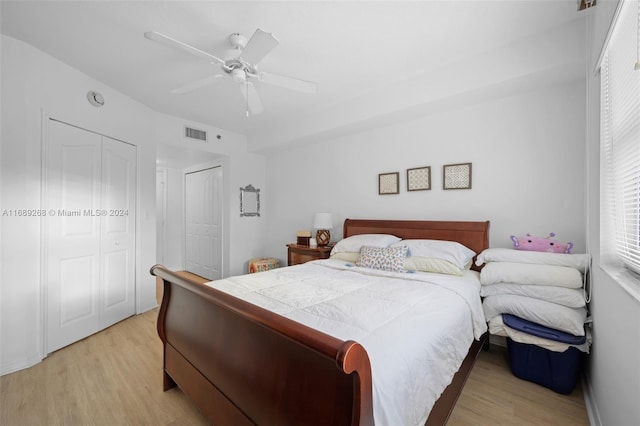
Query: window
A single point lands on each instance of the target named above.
(620, 141)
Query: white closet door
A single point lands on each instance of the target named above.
(73, 249)
(118, 244)
(203, 223)
(90, 253)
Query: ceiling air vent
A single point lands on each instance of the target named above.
(191, 133)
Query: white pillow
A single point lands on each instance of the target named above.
(578, 261)
(355, 243)
(450, 251)
(530, 274)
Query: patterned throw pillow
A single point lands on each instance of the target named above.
(386, 259)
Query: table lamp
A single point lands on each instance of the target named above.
(323, 222)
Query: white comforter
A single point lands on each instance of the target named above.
(416, 327)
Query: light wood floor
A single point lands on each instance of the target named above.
(115, 378)
(494, 396)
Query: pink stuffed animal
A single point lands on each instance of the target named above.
(531, 243)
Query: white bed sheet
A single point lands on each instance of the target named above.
(416, 327)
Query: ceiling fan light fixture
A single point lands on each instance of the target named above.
(238, 75)
(237, 41)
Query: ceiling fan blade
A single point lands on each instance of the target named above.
(171, 42)
(250, 95)
(288, 82)
(197, 84)
(258, 46)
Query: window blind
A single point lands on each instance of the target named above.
(620, 142)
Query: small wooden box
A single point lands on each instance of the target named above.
(303, 238)
(303, 241)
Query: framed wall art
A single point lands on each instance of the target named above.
(456, 176)
(389, 183)
(419, 179)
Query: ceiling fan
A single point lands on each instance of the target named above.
(241, 64)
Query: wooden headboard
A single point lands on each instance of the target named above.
(474, 235)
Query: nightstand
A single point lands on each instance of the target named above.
(301, 254)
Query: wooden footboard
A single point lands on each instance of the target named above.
(242, 364)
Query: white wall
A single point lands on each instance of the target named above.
(527, 152)
(613, 368)
(33, 83)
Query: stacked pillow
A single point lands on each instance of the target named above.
(544, 288)
(390, 253)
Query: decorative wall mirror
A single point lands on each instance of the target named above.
(249, 201)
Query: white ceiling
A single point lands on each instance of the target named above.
(348, 48)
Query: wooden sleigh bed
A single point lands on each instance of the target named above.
(241, 364)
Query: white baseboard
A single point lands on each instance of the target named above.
(589, 401)
(20, 365)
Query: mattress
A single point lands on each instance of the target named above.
(416, 327)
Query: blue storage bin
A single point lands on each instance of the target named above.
(558, 371)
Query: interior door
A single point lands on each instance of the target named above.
(73, 249)
(161, 213)
(118, 244)
(203, 223)
(90, 183)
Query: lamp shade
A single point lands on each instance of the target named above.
(323, 221)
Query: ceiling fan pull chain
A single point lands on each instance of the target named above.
(246, 87)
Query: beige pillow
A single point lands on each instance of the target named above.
(428, 264)
(348, 256)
